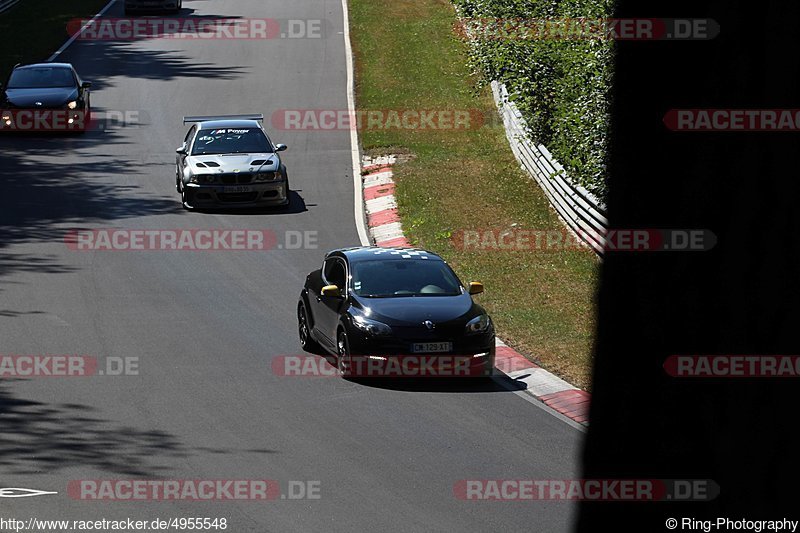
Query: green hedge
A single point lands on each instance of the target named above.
(562, 86)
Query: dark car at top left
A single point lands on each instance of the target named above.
(45, 97)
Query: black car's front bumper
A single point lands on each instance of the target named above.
(43, 120)
(391, 356)
(148, 5)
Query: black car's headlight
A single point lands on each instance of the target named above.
(479, 324)
(269, 176)
(373, 327)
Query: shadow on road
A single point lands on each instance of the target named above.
(39, 436)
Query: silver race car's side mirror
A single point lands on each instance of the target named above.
(181, 149)
(280, 147)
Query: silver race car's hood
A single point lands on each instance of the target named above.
(230, 163)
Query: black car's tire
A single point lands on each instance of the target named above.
(87, 119)
(343, 362)
(307, 343)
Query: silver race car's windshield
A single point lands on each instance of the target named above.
(403, 278)
(41, 78)
(231, 141)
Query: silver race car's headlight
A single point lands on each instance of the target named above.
(203, 179)
(269, 176)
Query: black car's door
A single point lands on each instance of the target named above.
(328, 309)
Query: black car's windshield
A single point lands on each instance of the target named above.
(403, 277)
(231, 141)
(41, 78)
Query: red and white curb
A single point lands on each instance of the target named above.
(380, 205)
(386, 231)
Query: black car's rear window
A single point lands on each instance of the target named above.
(41, 78)
(231, 141)
(403, 277)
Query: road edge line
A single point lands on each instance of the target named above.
(355, 151)
(75, 36)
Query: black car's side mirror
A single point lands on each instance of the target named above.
(86, 85)
(331, 291)
(280, 147)
(475, 287)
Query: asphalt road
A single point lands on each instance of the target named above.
(205, 326)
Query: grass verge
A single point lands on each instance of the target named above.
(33, 29)
(408, 57)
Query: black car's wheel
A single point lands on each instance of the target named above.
(87, 120)
(343, 361)
(178, 8)
(304, 330)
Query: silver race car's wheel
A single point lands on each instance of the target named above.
(182, 190)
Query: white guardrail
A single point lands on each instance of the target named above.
(7, 4)
(583, 213)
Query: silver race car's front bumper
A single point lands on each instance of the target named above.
(253, 195)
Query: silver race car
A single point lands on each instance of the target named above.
(230, 161)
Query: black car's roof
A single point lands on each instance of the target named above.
(221, 124)
(364, 253)
(40, 65)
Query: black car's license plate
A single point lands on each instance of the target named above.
(432, 347)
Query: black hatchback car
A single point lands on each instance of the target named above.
(386, 312)
(45, 97)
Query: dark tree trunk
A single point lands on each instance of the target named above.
(740, 298)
